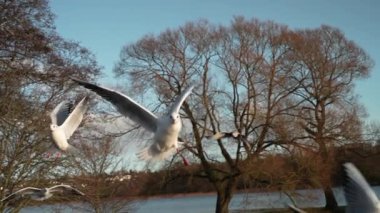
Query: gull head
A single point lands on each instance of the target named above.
(53, 127)
(46, 194)
(174, 118)
(45, 191)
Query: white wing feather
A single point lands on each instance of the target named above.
(60, 113)
(359, 195)
(180, 99)
(75, 118)
(24, 191)
(65, 187)
(125, 105)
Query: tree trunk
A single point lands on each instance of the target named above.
(331, 203)
(327, 157)
(222, 202)
(224, 195)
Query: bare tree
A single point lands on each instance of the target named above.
(328, 65)
(34, 67)
(372, 133)
(259, 78)
(94, 174)
(95, 169)
(243, 82)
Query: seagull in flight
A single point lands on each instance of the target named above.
(64, 122)
(295, 209)
(41, 194)
(165, 128)
(359, 195)
(219, 135)
(235, 134)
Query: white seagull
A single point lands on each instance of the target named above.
(41, 194)
(360, 197)
(219, 135)
(166, 128)
(235, 134)
(65, 123)
(295, 209)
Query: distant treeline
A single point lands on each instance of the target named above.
(269, 173)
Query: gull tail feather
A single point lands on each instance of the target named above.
(152, 154)
(72, 150)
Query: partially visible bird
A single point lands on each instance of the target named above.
(295, 209)
(359, 195)
(166, 128)
(235, 134)
(219, 135)
(41, 194)
(65, 122)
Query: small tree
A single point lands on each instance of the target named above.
(241, 77)
(327, 66)
(35, 64)
(94, 169)
(256, 77)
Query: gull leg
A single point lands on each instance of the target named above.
(184, 160)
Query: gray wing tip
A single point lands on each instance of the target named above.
(85, 99)
(350, 172)
(75, 79)
(220, 135)
(9, 197)
(357, 190)
(295, 209)
(79, 192)
(74, 190)
(68, 188)
(217, 136)
(14, 194)
(91, 86)
(348, 165)
(79, 81)
(190, 88)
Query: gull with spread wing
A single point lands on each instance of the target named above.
(359, 195)
(166, 128)
(65, 122)
(235, 134)
(295, 209)
(41, 194)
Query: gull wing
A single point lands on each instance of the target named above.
(24, 191)
(60, 113)
(295, 209)
(180, 99)
(125, 105)
(75, 118)
(62, 187)
(358, 193)
(217, 136)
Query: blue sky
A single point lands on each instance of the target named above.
(106, 26)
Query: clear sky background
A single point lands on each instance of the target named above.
(105, 26)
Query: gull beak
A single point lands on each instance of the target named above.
(172, 118)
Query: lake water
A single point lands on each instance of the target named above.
(205, 203)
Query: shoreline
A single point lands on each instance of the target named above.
(176, 195)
